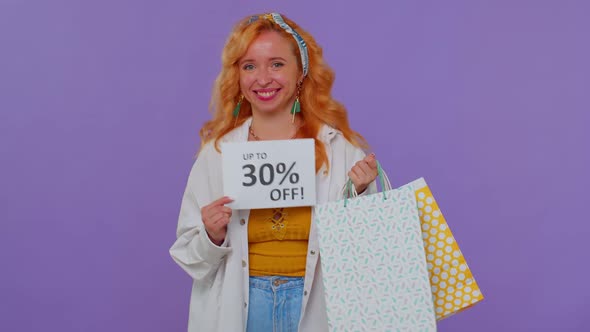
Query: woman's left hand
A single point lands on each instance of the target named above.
(363, 173)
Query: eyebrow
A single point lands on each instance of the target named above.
(271, 59)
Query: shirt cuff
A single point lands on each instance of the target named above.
(212, 253)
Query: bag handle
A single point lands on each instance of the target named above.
(349, 191)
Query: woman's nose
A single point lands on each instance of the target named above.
(264, 77)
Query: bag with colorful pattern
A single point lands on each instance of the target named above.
(373, 262)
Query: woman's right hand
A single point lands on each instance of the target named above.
(216, 216)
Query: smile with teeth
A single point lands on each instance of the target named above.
(266, 94)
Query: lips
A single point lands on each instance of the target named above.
(266, 94)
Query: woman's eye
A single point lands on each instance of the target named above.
(248, 67)
(277, 64)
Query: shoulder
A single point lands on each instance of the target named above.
(335, 139)
(205, 155)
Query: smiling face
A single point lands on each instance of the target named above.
(269, 73)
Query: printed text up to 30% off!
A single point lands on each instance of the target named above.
(268, 174)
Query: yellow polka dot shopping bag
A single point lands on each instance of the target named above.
(453, 287)
(373, 262)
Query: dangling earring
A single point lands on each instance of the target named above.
(237, 109)
(296, 105)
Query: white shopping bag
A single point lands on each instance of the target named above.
(373, 262)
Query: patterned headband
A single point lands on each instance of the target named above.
(278, 19)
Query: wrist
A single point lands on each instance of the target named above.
(217, 242)
(361, 189)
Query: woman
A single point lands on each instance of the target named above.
(259, 270)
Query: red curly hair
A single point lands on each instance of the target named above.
(317, 105)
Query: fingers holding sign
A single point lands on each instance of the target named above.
(364, 172)
(216, 216)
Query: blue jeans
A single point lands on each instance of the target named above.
(275, 304)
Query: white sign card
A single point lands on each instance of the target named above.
(267, 174)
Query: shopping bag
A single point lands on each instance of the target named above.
(373, 262)
(453, 287)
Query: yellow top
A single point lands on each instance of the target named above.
(277, 241)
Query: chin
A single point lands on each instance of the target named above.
(267, 108)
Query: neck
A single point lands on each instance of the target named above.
(275, 126)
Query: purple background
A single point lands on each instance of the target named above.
(101, 102)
